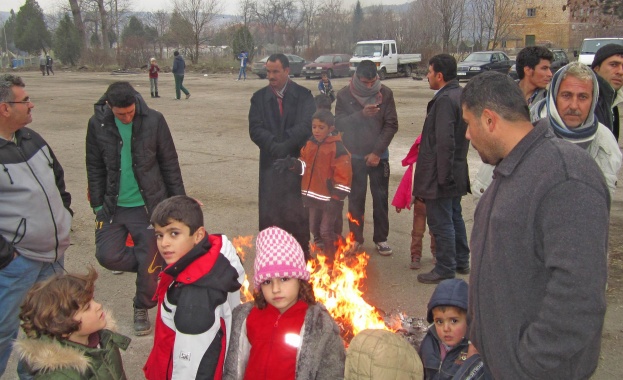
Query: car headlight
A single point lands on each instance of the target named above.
(475, 68)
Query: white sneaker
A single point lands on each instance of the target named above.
(384, 249)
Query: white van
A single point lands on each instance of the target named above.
(591, 45)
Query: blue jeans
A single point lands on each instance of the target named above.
(242, 71)
(446, 223)
(16, 279)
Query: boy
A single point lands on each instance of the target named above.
(327, 175)
(66, 335)
(444, 348)
(325, 87)
(197, 292)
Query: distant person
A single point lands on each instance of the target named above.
(35, 213)
(153, 77)
(42, 61)
(132, 166)
(68, 334)
(325, 87)
(49, 65)
(608, 64)
(198, 289)
(243, 57)
(280, 124)
(365, 113)
(284, 333)
(179, 67)
(327, 175)
(537, 291)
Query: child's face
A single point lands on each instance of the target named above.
(324, 78)
(282, 292)
(451, 325)
(92, 319)
(321, 130)
(175, 240)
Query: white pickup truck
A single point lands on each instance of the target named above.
(385, 54)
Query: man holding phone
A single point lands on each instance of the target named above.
(366, 114)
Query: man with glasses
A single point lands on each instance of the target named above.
(35, 217)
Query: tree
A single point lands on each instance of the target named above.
(134, 29)
(605, 14)
(504, 15)
(78, 23)
(159, 20)
(309, 9)
(8, 30)
(31, 33)
(199, 14)
(243, 40)
(67, 42)
(180, 32)
(357, 21)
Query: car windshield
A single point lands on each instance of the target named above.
(478, 57)
(324, 59)
(263, 60)
(367, 50)
(591, 46)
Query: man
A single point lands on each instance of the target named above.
(441, 176)
(608, 64)
(280, 124)
(132, 166)
(49, 65)
(243, 57)
(539, 243)
(35, 217)
(366, 114)
(570, 111)
(178, 70)
(534, 72)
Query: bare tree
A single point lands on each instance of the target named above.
(77, 17)
(159, 20)
(268, 14)
(506, 13)
(308, 15)
(333, 33)
(291, 23)
(200, 14)
(481, 21)
(246, 11)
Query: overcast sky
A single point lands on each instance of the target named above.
(231, 6)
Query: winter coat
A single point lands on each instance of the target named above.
(430, 352)
(196, 296)
(154, 157)
(382, 355)
(179, 65)
(537, 288)
(441, 171)
(153, 71)
(364, 135)
(35, 213)
(327, 171)
(320, 354)
(403, 195)
(603, 110)
(51, 359)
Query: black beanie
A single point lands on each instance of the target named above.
(606, 52)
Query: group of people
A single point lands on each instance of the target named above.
(46, 64)
(544, 320)
(178, 70)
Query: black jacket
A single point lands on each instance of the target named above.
(603, 110)
(154, 159)
(441, 170)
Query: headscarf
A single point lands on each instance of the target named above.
(366, 95)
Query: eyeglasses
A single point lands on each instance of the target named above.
(20, 102)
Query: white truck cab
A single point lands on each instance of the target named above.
(384, 54)
(591, 45)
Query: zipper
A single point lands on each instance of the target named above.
(311, 173)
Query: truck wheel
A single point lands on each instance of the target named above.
(329, 73)
(383, 74)
(408, 71)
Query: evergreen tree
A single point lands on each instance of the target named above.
(31, 33)
(67, 42)
(8, 31)
(243, 40)
(357, 21)
(134, 29)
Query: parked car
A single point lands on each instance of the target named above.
(336, 65)
(481, 61)
(560, 59)
(296, 66)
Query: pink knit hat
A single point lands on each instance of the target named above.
(278, 254)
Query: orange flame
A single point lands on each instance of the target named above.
(240, 243)
(337, 287)
(352, 220)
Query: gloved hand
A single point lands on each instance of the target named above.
(279, 149)
(289, 163)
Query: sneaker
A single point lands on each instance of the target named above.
(432, 277)
(116, 271)
(384, 249)
(354, 249)
(463, 270)
(142, 326)
(415, 264)
(187, 96)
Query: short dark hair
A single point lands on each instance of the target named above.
(324, 73)
(497, 92)
(444, 64)
(530, 56)
(7, 82)
(121, 94)
(324, 116)
(323, 102)
(281, 58)
(180, 208)
(50, 305)
(366, 69)
(176, 53)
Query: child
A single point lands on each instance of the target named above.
(325, 87)
(323, 102)
(327, 175)
(402, 200)
(196, 294)
(284, 333)
(153, 77)
(66, 335)
(444, 348)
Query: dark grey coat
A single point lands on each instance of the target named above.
(441, 170)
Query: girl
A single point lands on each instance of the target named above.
(153, 77)
(284, 333)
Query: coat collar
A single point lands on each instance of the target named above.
(535, 137)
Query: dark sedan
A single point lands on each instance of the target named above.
(481, 61)
(296, 66)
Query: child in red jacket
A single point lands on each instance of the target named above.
(153, 77)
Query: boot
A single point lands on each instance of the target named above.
(157, 94)
(142, 326)
(152, 95)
